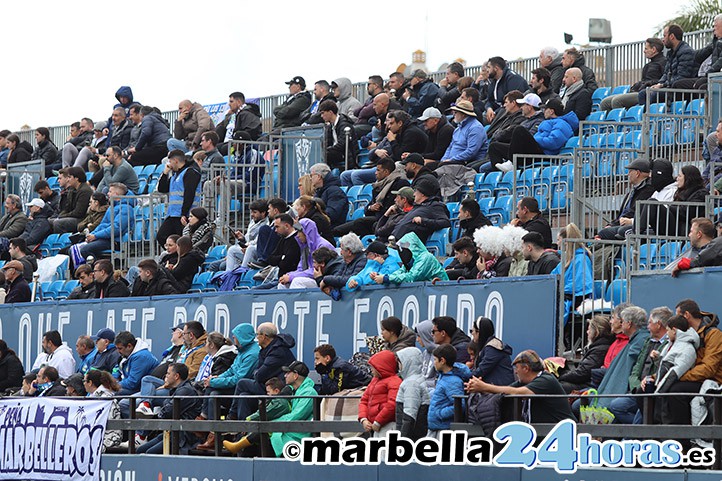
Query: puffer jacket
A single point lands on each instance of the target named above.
(425, 268)
(21, 153)
(340, 375)
(352, 268)
(434, 216)
(412, 400)
(347, 103)
(38, 228)
(493, 364)
(363, 278)
(289, 113)
(181, 276)
(123, 218)
(448, 385)
(141, 362)
(554, 133)
(680, 64)
(45, 150)
(378, 403)
(191, 128)
(651, 73)
(335, 199)
(245, 360)
(160, 285)
(153, 131)
(677, 358)
(424, 95)
(714, 50)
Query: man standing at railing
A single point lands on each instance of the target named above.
(181, 180)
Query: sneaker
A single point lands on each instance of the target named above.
(140, 440)
(257, 264)
(144, 410)
(505, 166)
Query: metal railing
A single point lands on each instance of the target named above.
(136, 239)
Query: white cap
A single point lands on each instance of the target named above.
(430, 113)
(36, 203)
(530, 99)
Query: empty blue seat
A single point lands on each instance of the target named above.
(216, 253)
(570, 145)
(648, 256)
(501, 212)
(488, 184)
(599, 95)
(615, 115)
(67, 288)
(436, 243)
(200, 282)
(633, 114)
(48, 244)
(506, 185)
(367, 239)
(620, 89)
(486, 204)
(617, 291)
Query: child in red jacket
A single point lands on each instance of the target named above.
(377, 410)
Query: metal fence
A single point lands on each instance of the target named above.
(134, 235)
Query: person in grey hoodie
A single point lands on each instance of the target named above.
(426, 340)
(347, 103)
(412, 399)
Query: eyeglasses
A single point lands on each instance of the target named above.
(434, 331)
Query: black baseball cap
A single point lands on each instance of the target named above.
(555, 104)
(298, 367)
(377, 247)
(413, 158)
(297, 80)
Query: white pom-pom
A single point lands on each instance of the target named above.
(490, 239)
(513, 235)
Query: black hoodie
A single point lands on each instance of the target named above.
(38, 228)
(21, 153)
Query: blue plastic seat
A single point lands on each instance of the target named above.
(67, 288)
(570, 145)
(488, 185)
(506, 184)
(501, 212)
(47, 244)
(615, 115)
(486, 204)
(526, 181)
(216, 253)
(200, 282)
(648, 256)
(367, 239)
(620, 89)
(617, 291)
(436, 244)
(599, 95)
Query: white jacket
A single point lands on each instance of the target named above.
(62, 360)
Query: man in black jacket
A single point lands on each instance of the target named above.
(464, 264)
(471, 218)
(74, 202)
(38, 227)
(638, 173)
(403, 135)
(105, 285)
(541, 260)
(241, 117)
(573, 58)
(576, 98)
(336, 373)
(529, 218)
(151, 281)
(339, 144)
(427, 216)
(328, 189)
(448, 91)
(439, 132)
(289, 113)
(18, 288)
(550, 59)
(86, 287)
(287, 252)
(503, 81)
(354, 260)
(403, 203)
(47, 384)
(416, 170)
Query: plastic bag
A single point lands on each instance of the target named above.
(593, 413)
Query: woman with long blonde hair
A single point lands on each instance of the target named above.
(577, 267)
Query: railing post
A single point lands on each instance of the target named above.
(175, 434)
(609, 58)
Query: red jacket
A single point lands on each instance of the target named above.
(378, 403)
(616, 347)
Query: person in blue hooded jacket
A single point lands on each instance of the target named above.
(116, 223)
(244, 337)
(380, 260)
(137, 361)
(450, 382)
(124, 95)
(578, 272)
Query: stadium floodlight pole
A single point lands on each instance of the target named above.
(347, 132)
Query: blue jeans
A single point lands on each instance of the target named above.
(177, 144)
(149, 387)
(154, 446)
(624, 410)
(95, 248)
(358, 177)
(242, 408)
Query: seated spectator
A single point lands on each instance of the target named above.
(117, 170)
(493, 260)
(448, 92)
(681, 63)
(465, 258)
(641, 189)
(425, 266)
(45, 149)
(403, 136)
(702, 238)
(328, 189)
(326, 262)
(241, 117)
(48, 195)
(108, 356)
(352, 253)
(137, 361)
(192, 122)
(470, 94)
(421, 93)
(337, 374)
(96, 212)
(309, 207)
(176, 380)
(388, 179)
(450, 383)
(286, 253)
(99, 240)
(274, 354)
(296, 376)
(551, 59)
(532, 379)
(378, 403)
(13, 223)
(403, 203)
(377, 260)
(28, 381)
(289, 113)
(503, 81)
(11, 368)
(19, 251)
(439, 131)
(152, 281)
(541, 84)
(74, 201)
(578, 272)
(190, 260)
(427, 216)
(199, 229)
(105, 285)
(708, 59)
(18, 289)
(75, 143)
(57, 354)
(85, 347)
(470, 218)
(651, 73)
(95, 146)
(425, 338)
(321, 92)
(677, 357)
(493, 363)
(541, 260)
(347, 103)
(573, 58)
(576, 97)
(85, 288)
(308, 240)
(245, 250)
(18, 151)
(412, 400)
(674, 220)
(120, 128)
(274, 409)
(529, 218)
(151, 146)
(396, 336)
(182, 182)
(4, 150)
(38, 227)
(363, 114)
(47, 384)
(195, 339)
(341, 143)
(599, 338)
(469, 142)
(445, 331)
(101, 384)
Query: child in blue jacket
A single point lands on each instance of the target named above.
(449, 383)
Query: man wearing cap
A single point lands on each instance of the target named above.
(420, 94)
(440, 133)
(416, 169)
(338, 142)
(296, 376)
(192, 121)
(532, 379)
(469, 141)
(551, 135)
(321, 92)
(640, 189)
(403, 203)
(38, 227)
(702, 238)
(117, 169)
(428, 214)
(289, 113)
(108, 357)
(576, 97)
(377, 260)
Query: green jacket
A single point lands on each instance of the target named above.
(276, 407)
(635, 377)
(301, 410)
(425, 267)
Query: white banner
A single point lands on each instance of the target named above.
(52, 439)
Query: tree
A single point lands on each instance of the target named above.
(698, 15)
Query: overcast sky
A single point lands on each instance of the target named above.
(65, 60)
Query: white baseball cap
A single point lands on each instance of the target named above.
(430, 113)
(530, 99)
(36, 203)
